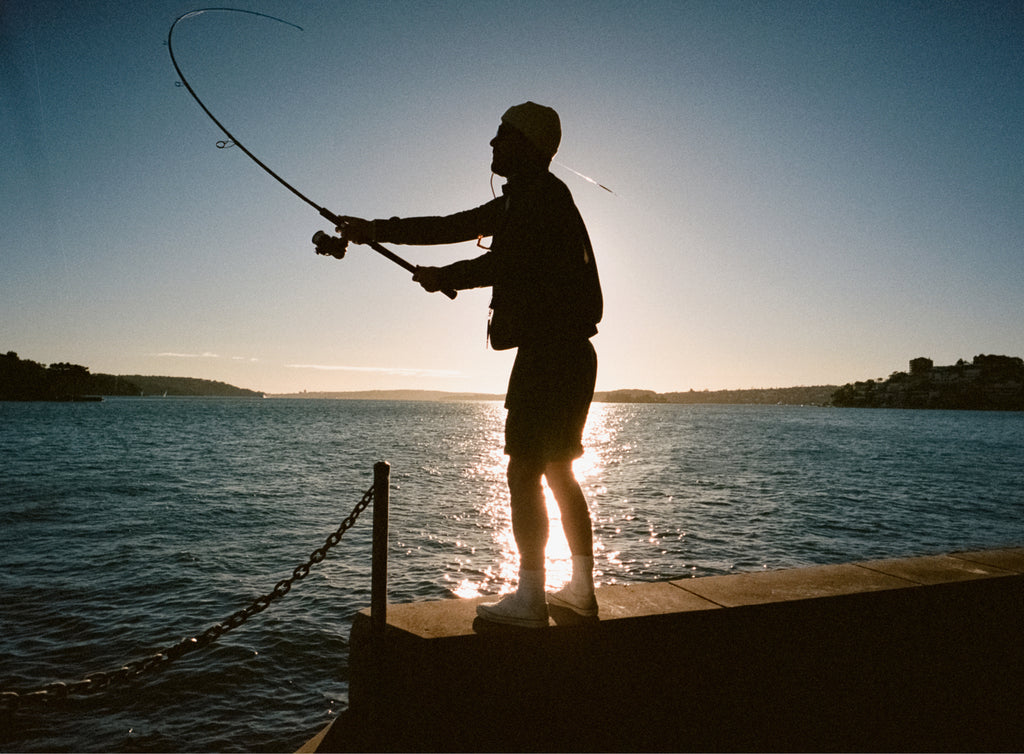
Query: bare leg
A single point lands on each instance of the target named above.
(526, 606)
(529, 514)
(578, 595)
(579, 531)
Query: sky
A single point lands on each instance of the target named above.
(805, 193)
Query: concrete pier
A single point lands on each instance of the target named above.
(917, 654)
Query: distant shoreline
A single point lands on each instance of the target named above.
(816, 395)
(989, 382)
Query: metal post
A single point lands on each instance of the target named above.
(379, 571)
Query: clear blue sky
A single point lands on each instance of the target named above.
(806, 192)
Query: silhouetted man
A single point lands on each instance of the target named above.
(546, 302)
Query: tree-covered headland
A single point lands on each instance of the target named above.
(26, 380)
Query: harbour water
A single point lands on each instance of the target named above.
(133, 523)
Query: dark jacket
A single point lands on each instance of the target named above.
(541, 264)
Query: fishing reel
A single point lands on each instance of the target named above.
(330, 246)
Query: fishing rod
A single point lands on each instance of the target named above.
(325, 245)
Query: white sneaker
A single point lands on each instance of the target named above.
(515, 610)
(582, 604)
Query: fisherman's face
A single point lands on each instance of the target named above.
(511, 153)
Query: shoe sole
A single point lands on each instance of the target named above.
(508, 620)
(586, 612)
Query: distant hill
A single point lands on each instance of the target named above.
(815, 395)
(391, 395)
(26, 380)
(186, 386)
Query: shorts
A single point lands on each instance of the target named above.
(548, 398)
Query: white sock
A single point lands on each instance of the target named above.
(531, 584)
(582, 581)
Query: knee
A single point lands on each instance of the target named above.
(560, 478)
(523, 476)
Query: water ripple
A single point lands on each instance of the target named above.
(131, 524)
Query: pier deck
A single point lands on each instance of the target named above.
(907, 654)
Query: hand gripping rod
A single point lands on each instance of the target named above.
(384, 252)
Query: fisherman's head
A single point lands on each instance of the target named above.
(527, 139)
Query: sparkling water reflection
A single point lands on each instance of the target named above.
(129, 524)
(492, 511)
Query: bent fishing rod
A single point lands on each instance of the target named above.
(325, 245)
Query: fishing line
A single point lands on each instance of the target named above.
(562, 165)
(232, 141)
(584, 177)
(480, 239)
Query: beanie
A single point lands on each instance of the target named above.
(539, 124)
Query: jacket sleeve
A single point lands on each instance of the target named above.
(470, 273)
(427, 231)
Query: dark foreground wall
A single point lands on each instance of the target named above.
(912, 655)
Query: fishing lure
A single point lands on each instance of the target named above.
(325, 244)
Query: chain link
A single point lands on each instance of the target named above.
(99, 681)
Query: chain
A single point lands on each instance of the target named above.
(102, 680)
